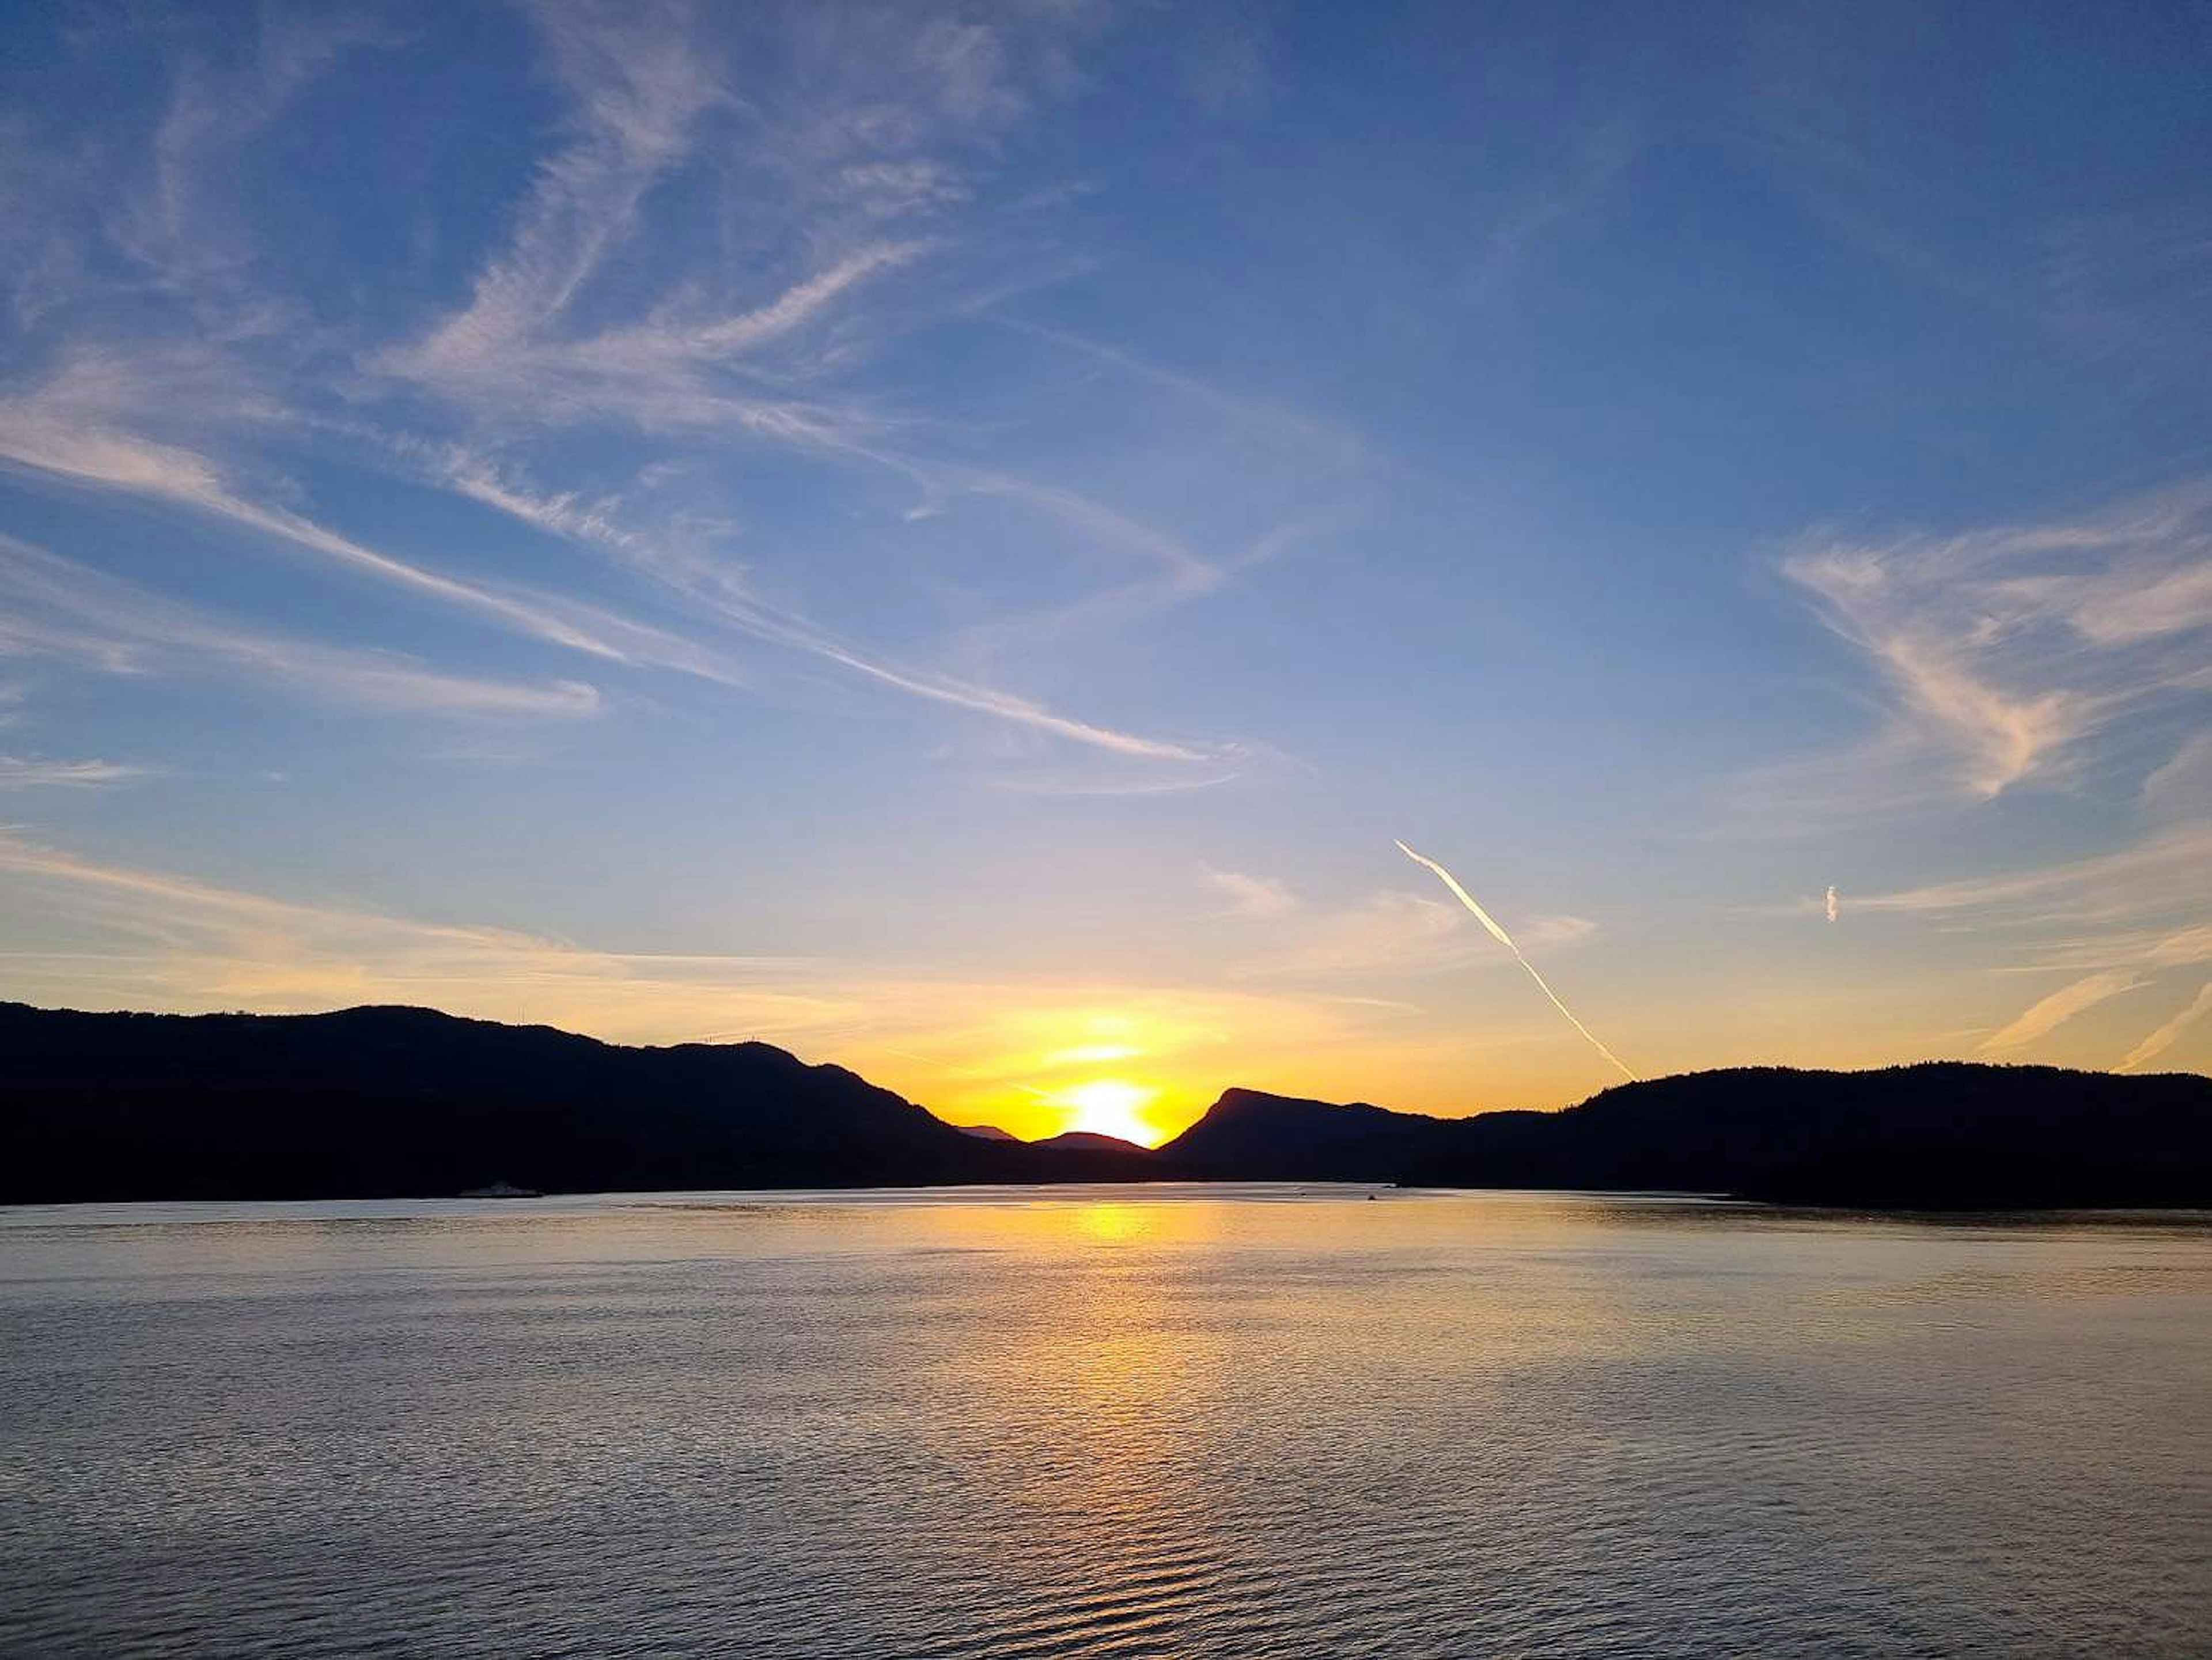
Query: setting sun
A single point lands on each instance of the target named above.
(724, 695)
(1111, 1106)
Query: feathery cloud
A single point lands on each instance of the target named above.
(724, 603)
(2169, 1034)
(2007, 654)
(24, 772)
(42, 432)
(2168, 874)
(1252, 895)
(59, 608)
(33, 434)
(637, 85)
(2123, 917)
(2047, 1014)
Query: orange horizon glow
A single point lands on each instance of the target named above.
(1104, 1068)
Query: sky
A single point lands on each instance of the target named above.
(956, 539)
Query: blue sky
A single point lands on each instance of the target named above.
(954, 538)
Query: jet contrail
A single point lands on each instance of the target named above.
(1506, 940)
(1835, 905)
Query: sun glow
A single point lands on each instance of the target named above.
(1092, 1054)
(1111, 1106)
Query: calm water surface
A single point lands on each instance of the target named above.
(1240, 1422)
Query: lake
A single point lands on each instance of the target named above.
(1144, 1421)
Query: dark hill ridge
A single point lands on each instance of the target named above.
(1941, 1134)
(1092, 1141)
(390, 1102)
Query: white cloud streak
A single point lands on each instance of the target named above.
(2047, 1014)
(43, 433)
(726, 604)
(1506, 940)
(2168, 874)
(25, 772)
(2171, 1033)
(2117, 919)
(58, 607)
(32, 435)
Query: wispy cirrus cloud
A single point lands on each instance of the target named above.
(2006, 656)
(2167, 874)
(2129, 287)
(58, 608)
(669, 371)
(198, 945)
(1252, 895)
(57, 430)
(2172, 1032)
(2115, 921)
(526, 348)
(48, 431)
(2047, 1014)
(32, 772)
(835, 179)
(125, 463)
(1313, 443)
(2057, 656)
(874, 130)
(826, 177)
(1173, 781)
(715, 595)
(1600, 158)
(175, 225)
(637, 85)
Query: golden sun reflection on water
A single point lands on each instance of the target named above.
(1112, 1223)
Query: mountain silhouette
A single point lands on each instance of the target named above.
(1938, 1135)
(385, 1102)
(1092, 1141)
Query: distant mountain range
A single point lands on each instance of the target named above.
(394, 1101)
(385, 1102)
(1945, 1135)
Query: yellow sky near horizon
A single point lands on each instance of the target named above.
(1461, 1031)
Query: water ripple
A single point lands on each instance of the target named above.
(1104, 1424)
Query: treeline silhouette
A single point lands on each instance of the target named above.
(1938, 1135)
(397, 1101)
